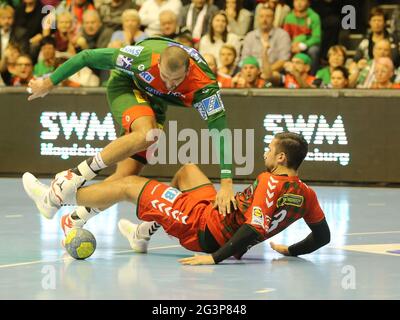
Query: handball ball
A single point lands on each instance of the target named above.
(80, 243)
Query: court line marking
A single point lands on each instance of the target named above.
(266, 290)
(69, 258)
(14, 216)
(368, 233)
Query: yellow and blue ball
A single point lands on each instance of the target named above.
(80, 243)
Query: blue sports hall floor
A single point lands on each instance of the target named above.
(361, 262)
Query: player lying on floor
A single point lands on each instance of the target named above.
(185, 208)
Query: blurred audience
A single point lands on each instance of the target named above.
(7, 32)
(280, 8)
(384, 71)
(92, 35)
(218, 36)
(267, 37)
(377, 32)
(336, 58)
(249, 75)
(196, 16)
(150, 11)
(239, 18)
(339, 78)
(47, 63)
(23, 71)
(227, 58)
(304, 27)
(223, 80)
(130, 32)
(8, 62)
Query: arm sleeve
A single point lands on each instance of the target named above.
(315, 38)
(320, 235)
(222, 140)
(103, 59)
(244, 237)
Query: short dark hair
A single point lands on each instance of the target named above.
(376, 11)
(294, 146)
(48, 40)
(343, 70)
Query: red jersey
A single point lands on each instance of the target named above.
(269, 205)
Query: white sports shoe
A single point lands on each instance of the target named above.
(129, 231)
(39, 193)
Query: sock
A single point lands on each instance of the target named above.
(146, 229)
(90, 167)
(83, 213)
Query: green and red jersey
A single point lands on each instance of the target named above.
(139, 63)
(269, 205)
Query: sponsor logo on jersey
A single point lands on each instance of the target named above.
(141, 67)
(257, 217)
(133, 50)
(146, 76)
(124, 62)
(153, 91)
(213, 104)
(201, 110)
(288, 199)
(170, 194)
(176, 94)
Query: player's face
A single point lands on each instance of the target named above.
(270, 157)
(172, 79)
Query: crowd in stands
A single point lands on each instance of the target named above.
(247, 44)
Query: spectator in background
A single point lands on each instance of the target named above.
(7, 32)
(64, 36)
(186, 39)
(169, 27)
(48, 62)
(362, 73)
(111, 14)
(239, 18)
(8, 62)
(150, 11)
(249, 75)
(276, 39)
(92, 34)
(218, 36)
(330, 13)
(384, 71)
(378, 31)
(281, 10)
(77, 8)
(131, 32)
(297, 73)
(24, 71)
(227, 57)
(339, 78)
(196, 17)
(304, 27)
(28, 23)
(224, 81)
(336, 58)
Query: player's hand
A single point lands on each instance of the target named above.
(282, 249)
(39, 88)
(198, 260)
(224, 197)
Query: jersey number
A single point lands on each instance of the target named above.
(279, 217)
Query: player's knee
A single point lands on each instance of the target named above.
(129, 187)
(145, 137)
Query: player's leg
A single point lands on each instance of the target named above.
(189, 177)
